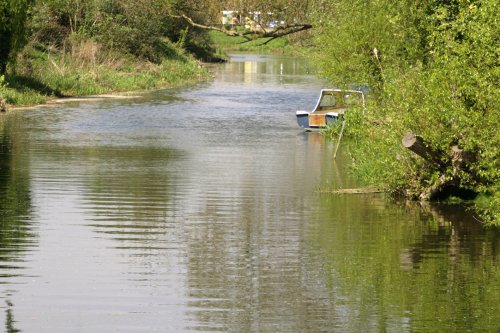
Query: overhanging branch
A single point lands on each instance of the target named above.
(272, 33)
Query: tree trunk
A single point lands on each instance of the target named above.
(418, 145)
(455, 159)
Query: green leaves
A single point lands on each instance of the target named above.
(13, 15)
(433, 68)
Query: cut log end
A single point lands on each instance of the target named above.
(409, 140)
(417, 144)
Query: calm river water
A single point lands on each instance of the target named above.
(200, 210)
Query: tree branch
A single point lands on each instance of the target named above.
(273, 33)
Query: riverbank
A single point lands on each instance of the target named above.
(43, 75)
(287, 45)
(94, 98)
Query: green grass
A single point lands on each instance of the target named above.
(40, 76)
(224, 43)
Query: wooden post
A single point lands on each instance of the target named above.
(340, 138)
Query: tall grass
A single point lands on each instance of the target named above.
(85, 68)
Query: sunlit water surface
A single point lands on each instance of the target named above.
(202, 210)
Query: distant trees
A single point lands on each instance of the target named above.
(143, 28)
(269, 19)
(138, 27)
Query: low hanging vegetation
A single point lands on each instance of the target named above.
(433, 70)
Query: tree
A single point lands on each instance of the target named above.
(143, 28)
(263, 19)
(13, 15)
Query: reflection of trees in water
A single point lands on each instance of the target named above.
(126, 190)
(15, 201)
(358, 264)
(456, 229)
(15, 207)
(225, 269)
(249, 268)
(246, 267)
(407, 268)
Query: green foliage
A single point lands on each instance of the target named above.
(433, 69)
(332, 130)
(96, 46)
(85, 73)
(3, 84)
(13, 15)
(142, 28)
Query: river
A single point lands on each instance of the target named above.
(201, 210)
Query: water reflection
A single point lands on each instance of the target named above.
(454, 231)
(10, 322)
(256, 69)
(15, 203)
(404, 270)
(16, 231)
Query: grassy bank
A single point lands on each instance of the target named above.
(291, 45)
(42, 73)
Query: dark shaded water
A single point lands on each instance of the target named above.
(199, 210)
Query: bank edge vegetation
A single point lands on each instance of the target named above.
(433, 71)
(81, 47)
(431, 68)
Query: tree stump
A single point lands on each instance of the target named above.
(455, 159)
(417, 144)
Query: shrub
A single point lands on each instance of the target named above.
(433, 69)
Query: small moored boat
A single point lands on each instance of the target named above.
(331, 105)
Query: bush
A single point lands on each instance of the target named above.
(433, 69)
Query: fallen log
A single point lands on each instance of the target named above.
(365, 190)
(456, 157)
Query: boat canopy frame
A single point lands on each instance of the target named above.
(337, 93)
